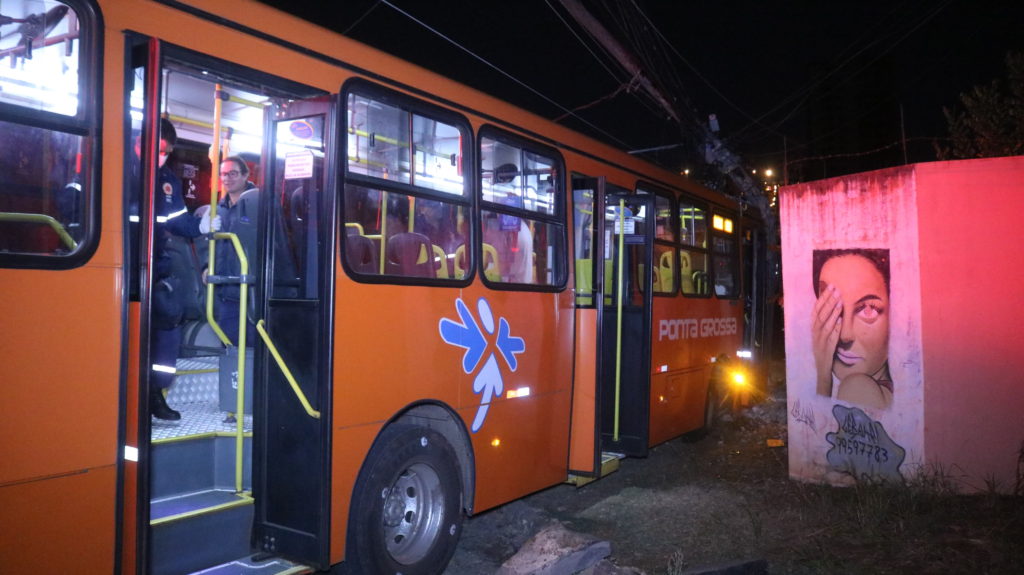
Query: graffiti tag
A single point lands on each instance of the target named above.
(803, 414)
(861, 447)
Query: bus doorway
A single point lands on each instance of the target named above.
(210, 306)
(626, 227)
(292, 463)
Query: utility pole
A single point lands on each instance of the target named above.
(785, 162)
(715, 152)
(903, 129)
(620, 53)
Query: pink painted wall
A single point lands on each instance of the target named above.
(971, 226)
(955, 316)
(873, 213)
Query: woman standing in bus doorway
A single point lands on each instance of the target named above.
(850, 325)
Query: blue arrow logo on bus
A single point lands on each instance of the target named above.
(468, 335)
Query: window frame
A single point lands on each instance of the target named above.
(684, 247)
(412, 105)
(644, 187)
(735, 256)
(87, 123)
(559, 218)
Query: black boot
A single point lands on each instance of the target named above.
(158, 407)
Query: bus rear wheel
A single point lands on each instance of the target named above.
(407, 505)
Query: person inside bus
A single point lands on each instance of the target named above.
(238, 215)
(171, 217)
(433, 220)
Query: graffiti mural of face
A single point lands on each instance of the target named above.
(863, 346)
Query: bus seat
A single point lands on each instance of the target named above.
(492, 272)
(403, 254)
(361, 254)
(441, 262)
(700, 282)
(685, 273)
(666, 271)
(460, 261)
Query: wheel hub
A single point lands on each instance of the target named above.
(413, 514)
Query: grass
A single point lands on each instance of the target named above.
(919, 525)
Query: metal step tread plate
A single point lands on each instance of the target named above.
(609, 464)
(190, 504)
(256, 565)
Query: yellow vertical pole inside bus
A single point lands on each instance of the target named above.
(215, 159)
(383, 225)
(214, 199)
(618, 326)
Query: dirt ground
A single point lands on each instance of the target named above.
(728, 496)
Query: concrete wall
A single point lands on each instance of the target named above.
(972, 305)
(855, 226)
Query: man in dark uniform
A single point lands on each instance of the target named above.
(171, 217)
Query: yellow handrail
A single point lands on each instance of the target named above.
(284, 369)
(41, 219)
(243, 317)
(214, 198)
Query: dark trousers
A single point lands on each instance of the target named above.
(163, 354)
(227, 317)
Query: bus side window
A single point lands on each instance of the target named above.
(693, 256)
(724, 257)
(407, 205)
(520, 221)
(45, 195)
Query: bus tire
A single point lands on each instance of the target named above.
(406, 512)
(710, 407)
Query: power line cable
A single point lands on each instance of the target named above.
(693, 68)
(365, 14)
(601, 62)
(502, 72)
(807, 89)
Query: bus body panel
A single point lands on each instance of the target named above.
(683, 345)
(61, 524)
(522, 445)
(584, 393)
(59, 397)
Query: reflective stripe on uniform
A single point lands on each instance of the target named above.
(176, 214)
(164, 368)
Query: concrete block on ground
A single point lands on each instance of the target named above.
(741, 567)
(556, 551)
(606, 567)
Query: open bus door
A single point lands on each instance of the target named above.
(611, 407)
(626, 225)
(292, 447)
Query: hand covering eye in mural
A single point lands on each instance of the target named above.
(468, 335)
(850, 326)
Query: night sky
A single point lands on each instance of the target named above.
(754, 56)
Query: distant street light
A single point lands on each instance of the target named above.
(768, 172)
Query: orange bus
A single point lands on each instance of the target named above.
(451, 302)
